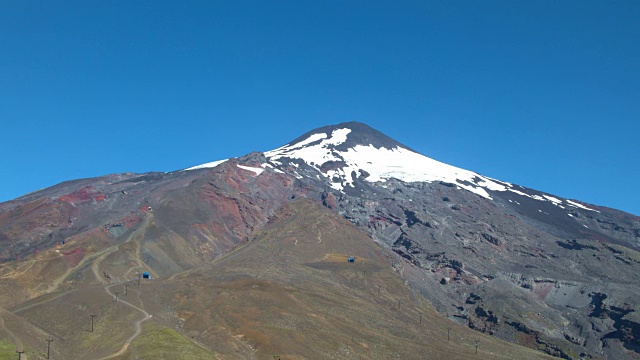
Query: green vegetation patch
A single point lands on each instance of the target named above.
(157, 342)
(630, 253)
(7, 350)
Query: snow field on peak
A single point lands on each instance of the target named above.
(380, 163)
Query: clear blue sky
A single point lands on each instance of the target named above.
(545, 94)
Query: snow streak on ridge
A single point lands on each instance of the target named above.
(207, 165)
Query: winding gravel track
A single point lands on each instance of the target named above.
(138, 324)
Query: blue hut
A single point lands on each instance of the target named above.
(146, 275)
(352, 259)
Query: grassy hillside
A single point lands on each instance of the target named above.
(290, 293)
(157, 342)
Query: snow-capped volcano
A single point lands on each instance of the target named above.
(344, 153)
(484, 252)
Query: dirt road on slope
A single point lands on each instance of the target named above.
(137, 324)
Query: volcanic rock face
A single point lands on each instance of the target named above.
(533, 268)
(207, 212)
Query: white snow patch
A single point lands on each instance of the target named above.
(578, 205)
(336, 186)
(267, 165)
(519, 192)
(337, 136)
(256, 170)
(477, 190)
(491, 184)
(552, 199)
(555, 201)
(310, 139)
(208, 165)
